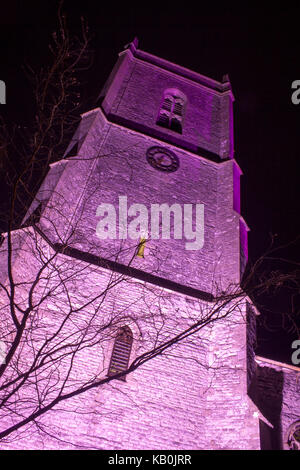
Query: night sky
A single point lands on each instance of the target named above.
(258, 48)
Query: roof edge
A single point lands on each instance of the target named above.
(264, 360)
(223, 86)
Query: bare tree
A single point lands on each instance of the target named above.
(59, 311)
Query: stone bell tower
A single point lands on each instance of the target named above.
(160, 142)
(165, 136)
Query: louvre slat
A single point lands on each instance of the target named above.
(122, 360)
(122, 345)
(119, 359)
(121, 350)
(178, 108)
(121, 356)
(167, 104)
(118, 354)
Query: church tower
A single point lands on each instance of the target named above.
(145, 206)
(164, 135)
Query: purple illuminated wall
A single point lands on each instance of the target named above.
(197, 397)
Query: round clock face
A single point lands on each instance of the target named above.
(162, 159)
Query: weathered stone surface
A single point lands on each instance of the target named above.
(194, 395)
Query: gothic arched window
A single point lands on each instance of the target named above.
(293, 439)
(171, 110)
(121, 352)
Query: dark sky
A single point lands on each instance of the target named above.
(257, 47)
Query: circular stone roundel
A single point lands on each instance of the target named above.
(293, 439)
(162, 159)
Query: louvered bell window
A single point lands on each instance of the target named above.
(171, 111)
(121, 352)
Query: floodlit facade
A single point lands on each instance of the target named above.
(134, 240)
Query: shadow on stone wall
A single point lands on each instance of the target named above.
(269, 401)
